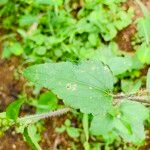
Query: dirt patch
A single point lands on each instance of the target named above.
(9, 87)
(124, 37)
(52, 140)
(13, 141)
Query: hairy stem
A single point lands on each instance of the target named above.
(36, 117)
(132, 97)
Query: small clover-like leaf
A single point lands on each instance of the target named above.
(85, 86)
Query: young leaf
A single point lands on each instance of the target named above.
(148, 80)
(12, 110)
(73, 132)
(129, 86)
(49, 102)
(143, 25)
(143, 53)
(16, 49)
(85, 86)
(32, 137)
(102, 125)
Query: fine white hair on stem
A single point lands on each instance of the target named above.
(49, 114)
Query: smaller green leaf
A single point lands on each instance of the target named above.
(93, 39)
(143, 29)
(73, 132)
(16, 49)
(27, 20)
(50, 2)
(31, 136)
(38, 39)
(41, 50)
(49, 102)
(61, 129)
(13, 109)
(67, 123)
(129, 86)
(133, 121)
(86, 145)
(148, 80)
(102, 125)
(6, 52)
(143, 53)
(119, 65)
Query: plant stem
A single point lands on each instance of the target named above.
(131, 97)
(36, 117)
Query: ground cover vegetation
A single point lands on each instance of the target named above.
(73, 66)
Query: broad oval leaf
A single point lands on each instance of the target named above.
(85, 86)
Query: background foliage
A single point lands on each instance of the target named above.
(45, 31)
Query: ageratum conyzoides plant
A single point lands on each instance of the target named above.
(88, 87)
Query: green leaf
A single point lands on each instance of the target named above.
(125, 122)
(86, 145)
(119, 65)
(73, 132)
(50, 2)
(61, 129)
(67, 123)
(143, 53)
(38, 39)
(16, 49)
(143, 25)
(128, 110)
(148, 80)
(6, 52)
(27, 20)
(102, 125)
(13, 109)
(134, 120)
(41, 50)
(49, 102)
(129, 86)
(31, 136)
(85, 86)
